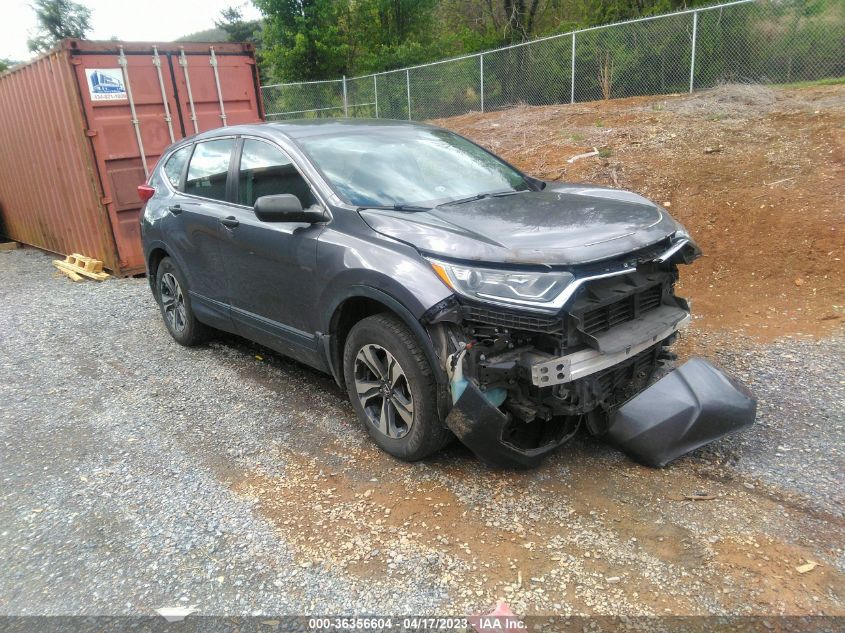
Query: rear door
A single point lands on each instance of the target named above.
(197, 212)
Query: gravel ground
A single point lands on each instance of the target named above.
(799, 444)
(137, 474)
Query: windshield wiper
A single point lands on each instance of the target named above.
(393, 207)
(479, 196)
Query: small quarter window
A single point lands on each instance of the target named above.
(208, 169)
(266, 171)
(175, 166)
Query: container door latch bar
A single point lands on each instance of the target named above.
(213, 62)
(183, 62)
(121, 60)
(167, 117)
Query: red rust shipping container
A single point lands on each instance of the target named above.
(82, 126)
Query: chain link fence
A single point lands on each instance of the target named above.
(748, 41)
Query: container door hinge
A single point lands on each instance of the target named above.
(105, 200)
(76, 61)
(90, 133)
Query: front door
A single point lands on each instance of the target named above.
(271, 265)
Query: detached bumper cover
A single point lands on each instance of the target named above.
(686, 409)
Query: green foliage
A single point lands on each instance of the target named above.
(322, 39)
(209, 35)
(58, 19)
(6, 64)
(305, 40)
(232, 23)
(793, 40)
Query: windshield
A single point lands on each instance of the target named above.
(408, 166)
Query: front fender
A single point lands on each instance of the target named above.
(403, 313)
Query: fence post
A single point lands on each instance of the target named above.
(408, 86)
(692, 57)
(375, 89)
(572, 85)
(345, 102)
(481, 74)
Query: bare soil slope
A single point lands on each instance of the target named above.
(756, 174)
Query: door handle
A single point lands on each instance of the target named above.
(230, 222)
(175, 209)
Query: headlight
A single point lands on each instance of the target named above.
(507, 286)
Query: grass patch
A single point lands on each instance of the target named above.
(832, 81)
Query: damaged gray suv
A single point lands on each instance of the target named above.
(447, 292)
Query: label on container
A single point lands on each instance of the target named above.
(105, 84)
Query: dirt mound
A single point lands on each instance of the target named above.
(756, 174)
(734, 99)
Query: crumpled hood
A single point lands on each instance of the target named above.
(561, 225)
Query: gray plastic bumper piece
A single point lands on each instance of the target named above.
(686, 409)
(481, 426)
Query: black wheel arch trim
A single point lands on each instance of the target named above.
(395, 306)
(168, 252)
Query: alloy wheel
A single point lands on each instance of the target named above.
(173, 303)
(383, 391)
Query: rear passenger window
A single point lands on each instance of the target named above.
(208, 169)
(266, 171)
(175, 165)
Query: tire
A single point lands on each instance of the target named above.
(175, 304)
(382, 356)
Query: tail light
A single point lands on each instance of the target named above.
(145, 192)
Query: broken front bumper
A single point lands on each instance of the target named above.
(684, 410)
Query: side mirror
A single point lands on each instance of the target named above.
(285, 207)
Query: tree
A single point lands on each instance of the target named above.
(519, 18)
(386, 34)
(237, 29)
(58, 19)
(302, 38)
(6, 64)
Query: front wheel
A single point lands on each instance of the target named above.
(392, 388)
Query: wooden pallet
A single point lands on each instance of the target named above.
(77, 266)
(8, 246)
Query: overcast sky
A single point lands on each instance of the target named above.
(150, 20)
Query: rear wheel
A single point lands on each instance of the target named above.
(392, 388)
(175, 304)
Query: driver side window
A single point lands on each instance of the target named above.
(266, 171)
